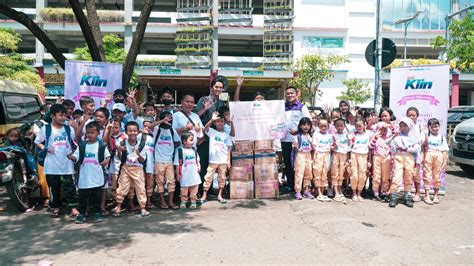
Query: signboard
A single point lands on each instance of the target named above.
(170, 71)
(427, 89)
(254, 73)
(258, 120)
(94, 79)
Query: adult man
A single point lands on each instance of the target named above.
(205, 107)
(294, 111)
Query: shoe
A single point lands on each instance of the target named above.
(427, 200)
(145, 213)
(193, 205)
(298, 196)
(330, 193)
(416, 198)
(182, 205)
(98, 218)
(393, 200)
(338, 198)
(360, 198)
(355, 198)
(436, 200)
(80, 219)
(308, 195)
(377, 198)
(326, 199)
(408, 200)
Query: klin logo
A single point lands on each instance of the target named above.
(93, 81)
(418, 84)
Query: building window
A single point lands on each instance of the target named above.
(322, 42)
(432, 17)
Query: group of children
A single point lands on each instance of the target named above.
(352, 149)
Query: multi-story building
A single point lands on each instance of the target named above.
(257, 39)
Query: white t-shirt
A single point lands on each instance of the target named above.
(342, 143)
(115, 164)
(219, 143)
(36, 129)
(91, 174)
(305, 145)
(360, 144)
(322, 142)
(150, 153)
(164, 148)
(56, 162)
(189, 171)
(132, 157)
(437, 143)
(227, 128)
(180, 121)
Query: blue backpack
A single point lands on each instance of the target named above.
(43, 152)
(295, 151)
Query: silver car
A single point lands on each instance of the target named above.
(462, 146)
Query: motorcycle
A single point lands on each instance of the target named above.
(19, 173)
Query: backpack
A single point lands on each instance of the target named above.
(295, 151)
(42, 153)
(100, 156)
(123, 159)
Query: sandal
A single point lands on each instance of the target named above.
(222, 201)
(182, 205)
(164, 207)
(174, 207)
(193, 205)
(54, 214)
(427, 200)
(115, 212)
(436, 200)
(145, 213)
(105, 213)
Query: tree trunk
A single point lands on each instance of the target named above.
(86, 30)
(22, 18)
(95, 26)
(136, 43)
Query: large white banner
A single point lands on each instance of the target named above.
(94, 79)
(424, 87)
(258, 120)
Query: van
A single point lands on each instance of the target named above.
(462, 146)
(19, 104)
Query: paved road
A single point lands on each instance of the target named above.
(280, 231)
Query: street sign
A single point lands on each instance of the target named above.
(170, 71)
(255, 73)
(389, 52)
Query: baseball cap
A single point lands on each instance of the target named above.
(119, 106)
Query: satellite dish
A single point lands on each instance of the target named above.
(389, 52)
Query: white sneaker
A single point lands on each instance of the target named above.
(355, 198)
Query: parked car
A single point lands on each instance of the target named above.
(459, 113)
(462, 146)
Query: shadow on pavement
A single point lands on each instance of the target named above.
(458, 172)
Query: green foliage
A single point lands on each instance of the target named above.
(13, 66)
(194, 29)
(357, 92)
(460, 47)
(54, 14)
(114, 53)
(311, 70)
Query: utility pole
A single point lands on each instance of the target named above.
(215, 35)
(378, 61)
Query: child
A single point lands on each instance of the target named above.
(334, 116)
(434, 161)
(403, 150)
(187, 166)
(322, 145)
(382, 160)
(58, 168)
(360, 158)
(302, 161)
(220, 145)
(228, 125)
(166, 139)
(340, 158)
(101, 116)
(92, 156)
(114, 137)
(131, 173)
(150, 151)
(70, 105)
(416, 136)
(88, 106)
(386, 118)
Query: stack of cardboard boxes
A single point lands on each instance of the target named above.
(254, 170)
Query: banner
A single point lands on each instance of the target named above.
(94, 79)
(258, 120)
(427, 89)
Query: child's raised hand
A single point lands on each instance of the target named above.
(240, 80)
(167, 119)
(215, 116)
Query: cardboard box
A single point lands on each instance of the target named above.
(265, 157)
(243, 158)
(242, 173)
(264, 145)
(244, 145)
(266, 189)
(241, 189)
(265, 172)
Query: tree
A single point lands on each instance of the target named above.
(460, 47)
(357, 92)
(13, 66)
(313, 69)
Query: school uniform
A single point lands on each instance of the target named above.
(189, 174)
(416, 136)
(382, 163)
(303, 163)
(219, 148)
(322, 155)
(433, 163)
(339, 158)
(164, 152)
(403, 150)
(359, 153)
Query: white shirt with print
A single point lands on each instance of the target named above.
(437, 143)
(91, 173)
(189, 170)
(322, 142)
(180, 121)
(59, 147)
(219, 143)
(360, 143)
(132, 156)
(164, 148)
(306, 143)
(342, 143)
